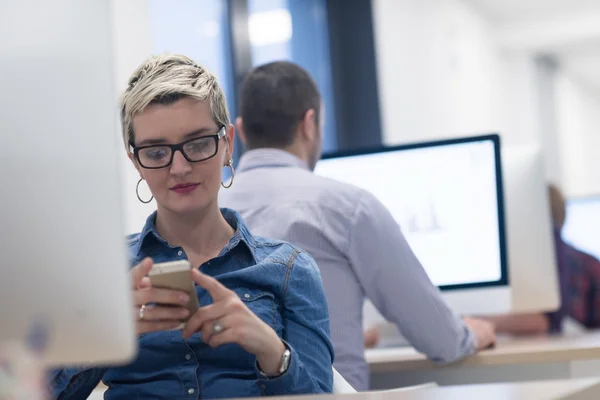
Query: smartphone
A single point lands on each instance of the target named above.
(176, 275)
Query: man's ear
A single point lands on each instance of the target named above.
(309, 128)
(239, 124)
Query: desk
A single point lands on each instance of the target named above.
(513, 360)
(580, 389)
(576, 389)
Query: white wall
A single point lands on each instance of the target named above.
(579, 135)
(132, 44)
(546, 76)
(440, 74)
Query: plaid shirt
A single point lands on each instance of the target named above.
(584, 286)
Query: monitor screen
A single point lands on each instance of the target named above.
(582, 226)
(447, 199)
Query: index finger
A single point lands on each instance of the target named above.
(140, 271)
(216, 290)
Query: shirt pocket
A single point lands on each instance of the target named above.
(264, 305)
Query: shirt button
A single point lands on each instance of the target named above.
(188, 357)
(247, 296)
(191, 391)
(179, 253)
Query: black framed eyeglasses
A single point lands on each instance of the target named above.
(194, 150)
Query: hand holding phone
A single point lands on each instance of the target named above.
(176, 275)
(164, 295)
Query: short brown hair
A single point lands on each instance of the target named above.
(274, 99)
(557, 205)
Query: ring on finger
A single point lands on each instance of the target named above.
(217, 328)
(141, 312)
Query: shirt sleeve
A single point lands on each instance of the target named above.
(306, 334)
(74, 383)
(592, 315)
(398, 286)
(555, 319)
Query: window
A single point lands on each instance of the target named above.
(296, 30)
(231, 36)
(198, 29)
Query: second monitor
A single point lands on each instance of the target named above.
(447, 197)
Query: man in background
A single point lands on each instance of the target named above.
(356, 242)
(583, 292)
(579, 281)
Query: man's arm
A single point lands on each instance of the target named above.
(400, 289)
(521, 324)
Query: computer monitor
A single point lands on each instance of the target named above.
(64, 266)
(529, 231)
(582, 226)
(447, 197)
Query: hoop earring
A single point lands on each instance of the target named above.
(230, 165)
(137, 192)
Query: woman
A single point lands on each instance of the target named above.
(263, 327)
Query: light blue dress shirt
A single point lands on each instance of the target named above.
(360, 250)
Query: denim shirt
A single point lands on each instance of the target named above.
(278, 282)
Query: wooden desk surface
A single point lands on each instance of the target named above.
(543, 349)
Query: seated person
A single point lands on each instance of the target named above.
(583, 292)
(263, 326)
(357, 243)
(579, 276)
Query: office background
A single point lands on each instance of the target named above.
(397, 71)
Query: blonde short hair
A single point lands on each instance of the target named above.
(164, 79)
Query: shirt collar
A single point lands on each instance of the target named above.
(242, 234)
(269, 158)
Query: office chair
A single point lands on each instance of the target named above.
(340, 385)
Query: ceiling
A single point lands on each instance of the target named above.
(518, 10)
(569, 29)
